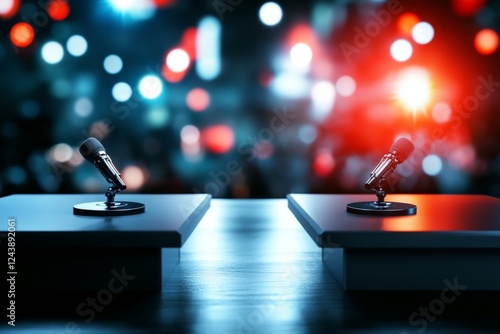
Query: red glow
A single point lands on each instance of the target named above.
(218, 138)
(8, 12)
(22, 34)
(467, 7)
(172, 76)
(58, 10)
(323, 164)
(406, 22)
(188, 42)
(198, 99)
(163, 3)
(486, 41)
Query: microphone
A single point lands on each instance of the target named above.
(398, 153)
(93, 151)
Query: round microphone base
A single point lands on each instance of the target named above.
(387, 209)
(101, 209)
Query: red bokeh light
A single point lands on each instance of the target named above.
(188, 42)
(22, 34)
(7, 12)
(163, 3)
(172, 76)
(218, 138)
(58, 10)
(406, 22)
(323, 164)
(198, 99)
(486, 41)
(467, 7)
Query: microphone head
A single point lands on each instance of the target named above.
(402, 148)
(90, 148)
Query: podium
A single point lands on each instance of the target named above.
(452, 241)
(56, 250)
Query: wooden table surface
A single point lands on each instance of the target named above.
(249, 267)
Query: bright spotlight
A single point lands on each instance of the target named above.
(178, 60)
(270, 13)
(150, 87)
(413, 88)
(301, 54)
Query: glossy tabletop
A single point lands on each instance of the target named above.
(249, 267)
(442, 221)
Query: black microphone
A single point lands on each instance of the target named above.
(398, 153)
(93, 151)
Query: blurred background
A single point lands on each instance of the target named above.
(244, 99)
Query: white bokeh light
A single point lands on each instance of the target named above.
(422, 33)
(113, 64)
(178, 60)
(345, 85)
(121, 92)
(270, 13)
(84, 106)
(150, 87)
(401, 50)
(52, 52)
(77, 45)
(323, 99)
(301, 54)
(432, 165)
(6, 6)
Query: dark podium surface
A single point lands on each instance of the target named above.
(249, 267)
(58, 250)
(451, 236)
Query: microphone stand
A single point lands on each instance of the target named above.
(110, 207)
(110, 196)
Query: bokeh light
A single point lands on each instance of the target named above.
(121, 92)
(467, 7)
(406, 22)
(486, 41)
(441, 112)
(61, 153)
(22, 34)
(323, 164)
(308, 133)
(413, 88)
(301, 54)
(150, 87)
(218, 139)
(323, 99)
(52, 52)
(270, 13)
(133, 177)
(178, 60)
(422, 33)
(9, 8)
(198, 99)
(58, 10)
(208, 45)
(157, 117)
(76, 45)
(84, 107)
(345, 85)
(113, 64)
(401, 50)
(432, 165)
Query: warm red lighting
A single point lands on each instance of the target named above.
(9, 8)
(323, 164)
(172, 76)
(163, 3)
(218, 138)
(188, 42)
(22, 34)
(58, 10)
(406, 22)
(486, 41)
(467, 7)
(198, 99)
(413, 88)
